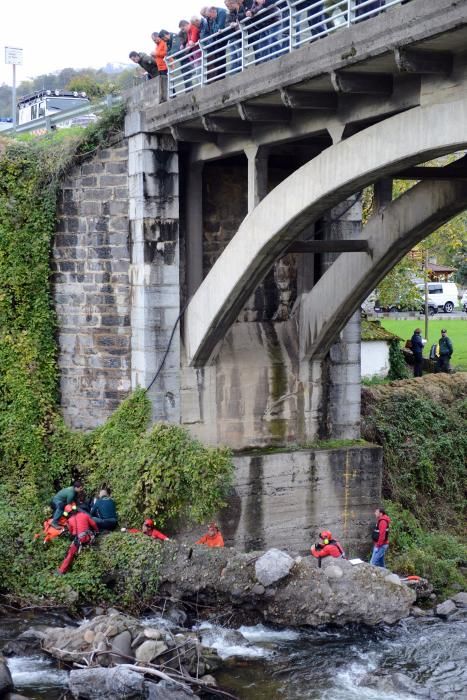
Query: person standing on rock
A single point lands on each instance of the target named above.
(82, 527)
(327, 547)
(380, 537)
(213, 537)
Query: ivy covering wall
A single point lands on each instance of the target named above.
(160, 472)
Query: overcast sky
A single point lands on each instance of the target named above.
(86, 33)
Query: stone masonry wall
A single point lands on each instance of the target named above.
(91, 288)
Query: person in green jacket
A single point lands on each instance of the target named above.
(63, 498)
(445, 352)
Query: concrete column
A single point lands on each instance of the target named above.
(154, 270)
(257, 175)
(382, 193)
(194, 227)
(341, 399)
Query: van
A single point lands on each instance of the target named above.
(443, 295)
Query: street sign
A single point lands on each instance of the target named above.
(13, 56)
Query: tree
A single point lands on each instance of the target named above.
(87, 84)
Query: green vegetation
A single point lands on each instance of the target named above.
(436, 556)
(425, 482)
(457, 331)
(160, 472)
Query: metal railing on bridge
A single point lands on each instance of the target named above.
(272, 32)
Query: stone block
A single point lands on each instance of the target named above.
(112, 180)
(446, 609)
(150, 650)
(460, 599)
(273, 566)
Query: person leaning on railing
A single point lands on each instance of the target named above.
(236, 14)
(260, 28)
(215, 50)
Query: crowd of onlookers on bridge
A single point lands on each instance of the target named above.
(312, 19)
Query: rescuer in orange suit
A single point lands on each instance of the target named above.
(213, 537)
(328, 547)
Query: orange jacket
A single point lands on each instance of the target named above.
(212, 540)
(159, 54)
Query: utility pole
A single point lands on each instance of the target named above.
(426, 294)
(13, 56)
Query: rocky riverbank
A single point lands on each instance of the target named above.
(281, 589)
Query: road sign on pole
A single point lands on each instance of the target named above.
(13, 56)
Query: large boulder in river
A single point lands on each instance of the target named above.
(308, 595)
(273, 566)
(6, 683)
(106, 683)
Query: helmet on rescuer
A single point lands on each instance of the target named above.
(325, 535)
(149, 522)
(71, 508)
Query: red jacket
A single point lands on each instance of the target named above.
(383, 525)
(81, 522)
(193, 34)
(333, 549)
(158, 535)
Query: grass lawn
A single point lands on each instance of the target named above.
(456, 328)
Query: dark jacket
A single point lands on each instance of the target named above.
(445, 346)
(148, 64)
(235, 16)
(104, 508)
(417, 344)
(211, 26)
(268, 14)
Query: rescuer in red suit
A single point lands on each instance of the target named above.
(82, 527)
(328, 547)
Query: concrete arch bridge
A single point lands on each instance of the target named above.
(235, 208)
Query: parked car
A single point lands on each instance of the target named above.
(391, 308)
(464, 302)
(432, 309)
(443, 295)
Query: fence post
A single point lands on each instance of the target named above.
(203, 64)
(350, 12)
(292, 28)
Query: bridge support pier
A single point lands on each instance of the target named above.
(342, 402)
(257, 175)
(154, 270)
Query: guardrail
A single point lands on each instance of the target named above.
(272, 32)
(52, 121)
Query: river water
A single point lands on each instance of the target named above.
(419, 657)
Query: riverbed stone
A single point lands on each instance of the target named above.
(89, 636)
(446, 609)
(168, 690)
(460, 599)
(121, 646)
(333, 572)
(152, 633)
(273, 566)
(116, 683)
(6, 682)
(150, 650)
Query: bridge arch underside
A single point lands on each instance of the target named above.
(401, 141)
